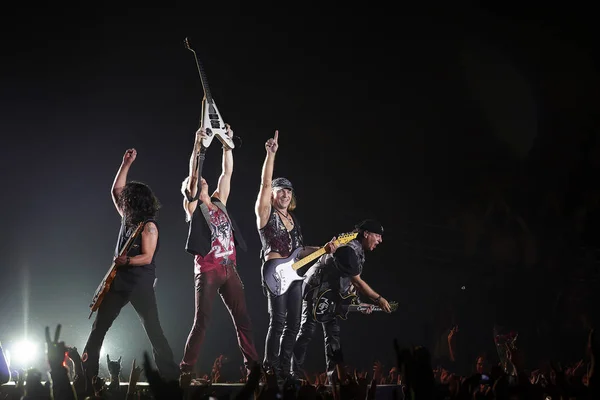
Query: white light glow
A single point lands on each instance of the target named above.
(23, 353)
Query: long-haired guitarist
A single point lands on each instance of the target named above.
(280, 234)
(340, 271)
(134, 280)
(213, 244)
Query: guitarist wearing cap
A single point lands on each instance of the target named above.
(341, 272)
(280, 235)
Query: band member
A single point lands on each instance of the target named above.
(134, 280)
(212, 240)
(280, 235)
(341, 272)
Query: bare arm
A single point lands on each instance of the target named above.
(365, 289)
(121, 177)
(192, 182)
(224, 184)
(262, 208)
(149, 241)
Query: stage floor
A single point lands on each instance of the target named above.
(221, 390)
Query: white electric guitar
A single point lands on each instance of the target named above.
(210, 119)
(279, 273)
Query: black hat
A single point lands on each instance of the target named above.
(370, 225)
(282, 183)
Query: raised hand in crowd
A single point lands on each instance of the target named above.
(32, 385)
(98, 385)
(19, 379)
(378, 372)
(55, 355)
(114, 370)
(79, 383)
(452, 342)
(134, 377)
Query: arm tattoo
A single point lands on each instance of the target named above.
(151, 229)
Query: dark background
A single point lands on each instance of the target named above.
(469, 133)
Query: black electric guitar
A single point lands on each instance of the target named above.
(331, 304)
(104, 286)
(279, 273)
(211, 118)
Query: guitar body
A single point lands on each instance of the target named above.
(331, 304)
(211, 118)
(106, 282)
(103, 288)
(278, 273)
(214, 125)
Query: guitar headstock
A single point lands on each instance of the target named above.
(186, 43)
(344, 238)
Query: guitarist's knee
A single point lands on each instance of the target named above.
(307, 330)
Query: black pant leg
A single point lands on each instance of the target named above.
(143, 300)
(108, 311)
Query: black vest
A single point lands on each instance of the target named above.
(199, 240)
(129, 276)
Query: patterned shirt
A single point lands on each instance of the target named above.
(223, 247)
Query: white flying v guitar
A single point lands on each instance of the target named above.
(210, 119)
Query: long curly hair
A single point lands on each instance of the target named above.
(138, 202)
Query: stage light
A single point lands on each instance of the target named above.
(24, 353)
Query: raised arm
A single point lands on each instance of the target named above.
(121, 177)
(262, 208)
(192, 180)
(224, 184)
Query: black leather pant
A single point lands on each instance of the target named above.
(143, 300)
(331, 332)
(284, 322)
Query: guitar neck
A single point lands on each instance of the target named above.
(345, 238)
(360, 307)
(204, 81)
(312, 256)
(207, 94)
